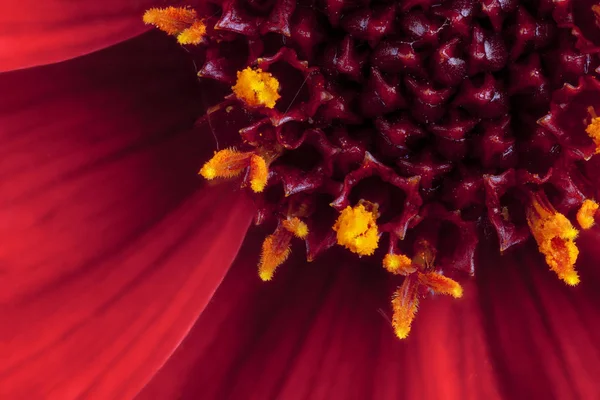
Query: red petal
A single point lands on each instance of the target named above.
(542, 333)
(109, 250)
(316, 332)
(40, 32)
(91, 157)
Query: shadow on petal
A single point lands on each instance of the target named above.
(542, 334)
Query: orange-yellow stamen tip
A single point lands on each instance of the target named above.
(398, 264)
(172, 20)
(192, 35)
(226, 163)
(259, 173)
(357, 230)
(275, 250)
(593, 131)
(555, 236)
(585, 215)
(441, 284)
(405, 303)
(256, 88)
(296, 226)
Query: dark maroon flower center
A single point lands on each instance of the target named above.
(432, 121)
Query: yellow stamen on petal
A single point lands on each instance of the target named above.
(259, 173)
(585, 215)
(555, 236)
(275, 250)
(398, 264)
(296, 226)
(226, 163)
(405, 303)
(171, 20)
(593, 131)
(193, 35)
(441, 284)
(256, 88)
(357, 230)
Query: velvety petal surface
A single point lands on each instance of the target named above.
(41, 32)
(110, 246)
(543, 335)
(320, 331)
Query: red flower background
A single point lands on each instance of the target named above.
(117, 271)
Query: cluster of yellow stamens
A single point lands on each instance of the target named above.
(276, 247)
(177, 21)
(585, 215)
(405, 301)
(229, 163)
(555, 236)
(357, 229)
(256, 88)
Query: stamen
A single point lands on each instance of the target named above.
(585, 215)
(357, 230)
(424, 254)
(171, 20)
(296, 226)
(398, 264)
(555, 237)
(275, 250)
(256, 88)
(593, 131)
(405, 303)
(259, 173)
(226, 163)
(193, 35)
(441, 284)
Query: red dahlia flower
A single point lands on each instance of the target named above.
(419, 147)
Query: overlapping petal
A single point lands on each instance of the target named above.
(41, 32)
(110, 249)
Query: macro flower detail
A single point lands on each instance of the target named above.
(418, 139)
(313, 199)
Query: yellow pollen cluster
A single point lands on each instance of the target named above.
(357, 230)
(275, 250)
(259, 173)
(177, 21)
(193, 35)
(593, 131)
(296, 226)
(405, 300)
(555, 236)
(229, 163)
(256, 88)
(441, 284)
(398, 264)
(585, 215)
(405, 303)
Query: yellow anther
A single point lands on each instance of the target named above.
(256, 88)
(555, 236)
(441, 284)
(171, 20)
(259, 173)
(398, 264)
(193, 35)
(405, 303)
(357, 230)
(296, 226)
(593, 131)
(585, 215)
(226, 163)
(275, 250)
